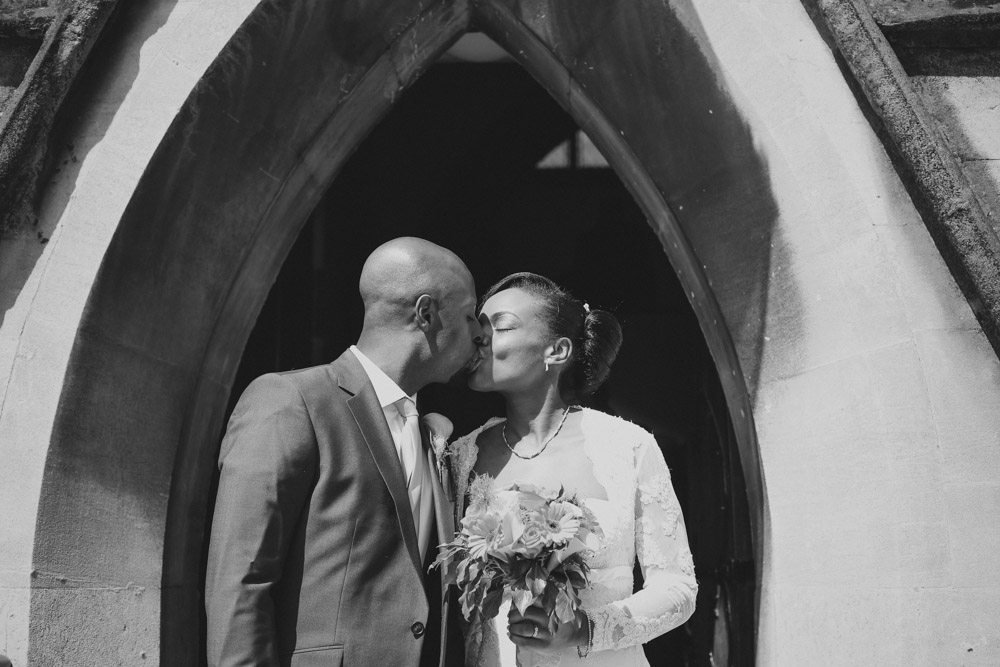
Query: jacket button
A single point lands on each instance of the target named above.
(417, 629)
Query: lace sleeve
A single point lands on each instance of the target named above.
(668, 595)
(462, 459)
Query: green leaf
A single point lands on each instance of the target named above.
(576, 578)
(565, 610)
(522, 599)
(467, 607)
(536, 580)
(491, 603)
(520, 567)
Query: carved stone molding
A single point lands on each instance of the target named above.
(68, 32)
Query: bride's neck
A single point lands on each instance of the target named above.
(537, 415)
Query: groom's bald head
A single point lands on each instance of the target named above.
(399, 271)
(420, 312)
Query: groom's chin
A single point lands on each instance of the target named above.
(477, 384)
(466, 380)
(460, 380)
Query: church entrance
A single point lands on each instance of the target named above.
(480, 158)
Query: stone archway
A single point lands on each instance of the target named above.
(868, 375)
(189, 265)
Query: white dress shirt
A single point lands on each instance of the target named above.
(388, 393)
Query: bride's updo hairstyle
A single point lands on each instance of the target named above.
(596, 334)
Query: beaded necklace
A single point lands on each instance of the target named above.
(503, 433)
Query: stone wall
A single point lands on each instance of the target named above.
(872, 386)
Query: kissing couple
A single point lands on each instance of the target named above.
(332, 499)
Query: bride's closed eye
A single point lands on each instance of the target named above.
(503, 322)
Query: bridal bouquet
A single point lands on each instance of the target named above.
(525, 539)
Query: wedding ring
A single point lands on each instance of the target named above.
(534, 632)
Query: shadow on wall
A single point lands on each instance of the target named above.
(113, 62)
(654, 76)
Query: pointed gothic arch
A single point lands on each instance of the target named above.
(261, 136)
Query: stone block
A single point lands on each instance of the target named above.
(889, 627)
(963, 383)
(14, 601)
(110, 625)
(968, 111)
(975, 534)
(854, 473)
(827, 307)
(928, 293)
(103, 509)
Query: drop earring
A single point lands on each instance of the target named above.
(546, 367)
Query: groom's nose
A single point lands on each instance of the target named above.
(479, 335)
(482, 340)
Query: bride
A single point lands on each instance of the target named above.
(544, 350)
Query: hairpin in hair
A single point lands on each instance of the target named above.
(586, 307)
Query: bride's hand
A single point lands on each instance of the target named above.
(531, 631)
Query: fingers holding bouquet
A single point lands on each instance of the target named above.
(533, 630)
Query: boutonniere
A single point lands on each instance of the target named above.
(439, 429)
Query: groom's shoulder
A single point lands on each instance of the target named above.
(299, 381)
(321, 377)
(305, 381)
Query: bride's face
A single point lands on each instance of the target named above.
(517, 340)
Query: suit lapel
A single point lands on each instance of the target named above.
(368, 414)
(443, 510)
(444, 519)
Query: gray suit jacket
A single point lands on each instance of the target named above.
(313, 557)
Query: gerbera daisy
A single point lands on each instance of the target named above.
(562, 520)
(484, 534)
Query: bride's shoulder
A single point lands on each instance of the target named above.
(620, 431)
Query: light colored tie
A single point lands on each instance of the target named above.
(409, 454)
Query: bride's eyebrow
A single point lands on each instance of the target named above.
(500, 313)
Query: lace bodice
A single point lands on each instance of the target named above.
(640, 518)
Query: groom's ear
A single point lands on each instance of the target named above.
(423, 311)
(559, 352)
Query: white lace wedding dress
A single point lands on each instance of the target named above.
(641, 517)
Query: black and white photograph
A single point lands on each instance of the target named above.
(499, 333)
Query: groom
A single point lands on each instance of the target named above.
(329, 506)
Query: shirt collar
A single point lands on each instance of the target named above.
(387, 391)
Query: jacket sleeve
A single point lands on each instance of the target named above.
(268, 466)
(669, 590)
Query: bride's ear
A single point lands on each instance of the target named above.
(559, 352)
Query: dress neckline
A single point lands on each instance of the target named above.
(467, 451)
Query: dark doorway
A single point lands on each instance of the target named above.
(456, 161)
